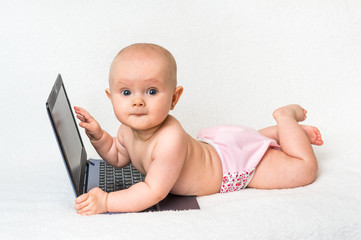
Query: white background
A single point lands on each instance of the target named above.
(237, 62)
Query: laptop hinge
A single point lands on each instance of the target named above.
(86, 174)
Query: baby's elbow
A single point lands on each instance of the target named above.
(122, 162)
(158, 194)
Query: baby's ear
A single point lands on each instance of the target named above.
(107, 91)
(176, 95)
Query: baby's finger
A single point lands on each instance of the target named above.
(84, 210)
(76, 108)
(87, 117)
(81, 212)
(82, 198)
(87, 206)
(84, 125)
(88, 213)
(80, 117)
(82, 205)
(82, 112)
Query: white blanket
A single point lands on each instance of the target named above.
(37, 203)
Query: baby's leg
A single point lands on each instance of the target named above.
(296, 164)
(313, 134)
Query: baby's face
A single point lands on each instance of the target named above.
(141, 90)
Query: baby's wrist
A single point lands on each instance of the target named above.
(106, 201)
(94, 140)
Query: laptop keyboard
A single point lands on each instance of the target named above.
(113, 179)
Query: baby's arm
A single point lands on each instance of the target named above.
(167, 162)
(105, 145)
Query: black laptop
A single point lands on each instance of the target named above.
(86, 174)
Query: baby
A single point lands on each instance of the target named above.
(143, 89)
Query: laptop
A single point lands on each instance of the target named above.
(86, 174)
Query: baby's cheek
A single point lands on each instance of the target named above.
(120, 114)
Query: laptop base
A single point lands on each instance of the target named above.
(129, 176)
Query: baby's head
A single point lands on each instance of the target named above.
(143, 52)
(143, 85)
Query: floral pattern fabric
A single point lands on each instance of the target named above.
(235, 181)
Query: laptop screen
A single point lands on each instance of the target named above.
(68, 133)
(66, 130)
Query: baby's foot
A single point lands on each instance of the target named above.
(313, 135)
(295, 111)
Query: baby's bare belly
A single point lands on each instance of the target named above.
(202, 171)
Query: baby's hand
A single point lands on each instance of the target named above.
(93, 202)
(91, 126)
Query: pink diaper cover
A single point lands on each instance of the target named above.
(240, 150)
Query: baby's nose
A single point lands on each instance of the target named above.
(138, 102)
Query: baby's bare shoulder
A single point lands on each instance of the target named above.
(172, 127)
(124, 132)
(172, 133)
(171, 142)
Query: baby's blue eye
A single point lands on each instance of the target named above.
(126, 92)
(152, 91)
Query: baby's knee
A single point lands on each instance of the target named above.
(309, 172)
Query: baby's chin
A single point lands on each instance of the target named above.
(141, 123)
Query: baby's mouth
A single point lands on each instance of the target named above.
(138, 114)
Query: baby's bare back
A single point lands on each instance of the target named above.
(200, 172)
